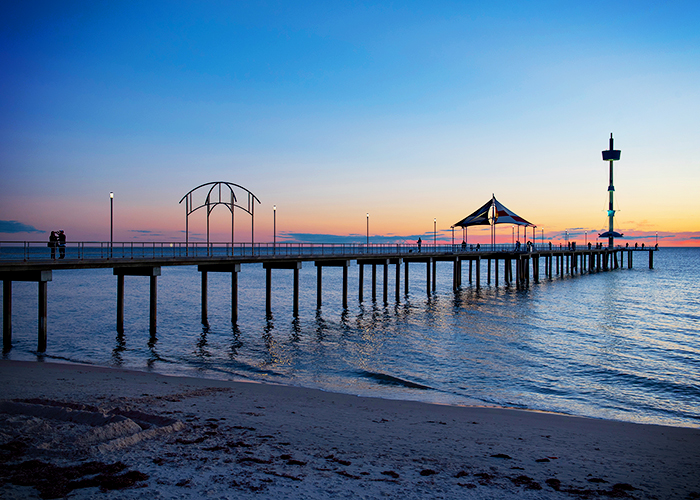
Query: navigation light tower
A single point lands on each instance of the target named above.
(611, 155)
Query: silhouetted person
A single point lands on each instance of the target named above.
(550, 246)
(53, 243)
(642, 246)
(636, 245)
(464, 245)
(478, 247)
(419, 243)
(61, 244)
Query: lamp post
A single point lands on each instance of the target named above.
(274, 228)
(512, 234)
(657, 238)
(367, 228)
(434, 233)
(111, 222)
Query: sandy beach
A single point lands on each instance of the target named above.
(84, 431)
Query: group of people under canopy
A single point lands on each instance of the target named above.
(491, 213)
(494, 212)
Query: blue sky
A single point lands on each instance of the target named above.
(410, 111)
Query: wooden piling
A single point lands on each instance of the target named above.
(295, 305)
(268, 291)
(120, 303)
(427, 275)
(455, 279)
(269, 266)
(398, 280)
(405, 278)
(234, 269)
(6, 315)
(434, 274)
(43, 315)
(153, 302)
(152, 272)
(205, 320)
(385, 287)
(651, 259)
(478, 271)
(345, 287)
(234, 296)
(361, 276)
(374, 282)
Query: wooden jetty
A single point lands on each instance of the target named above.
(20, 261)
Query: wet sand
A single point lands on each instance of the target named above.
(78, 430)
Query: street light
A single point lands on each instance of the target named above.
(435, 232)
(274, 227)
(657, 238)
(367, 228)
(111, 222)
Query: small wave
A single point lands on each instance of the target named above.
(385, 379)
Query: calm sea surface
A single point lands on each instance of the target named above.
(621, 345)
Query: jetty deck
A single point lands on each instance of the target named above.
(33, 261)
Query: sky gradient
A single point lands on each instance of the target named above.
(409, 111)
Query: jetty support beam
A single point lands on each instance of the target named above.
(320, 264)
(152, 272)
(374, 263)
(269, 266)
(397, 262)
(41, 277)
(234, 269)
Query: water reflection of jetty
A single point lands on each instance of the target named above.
(519, 267)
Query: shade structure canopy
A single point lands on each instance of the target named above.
(608, 234)
(490, 213)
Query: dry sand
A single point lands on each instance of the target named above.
(89, 432)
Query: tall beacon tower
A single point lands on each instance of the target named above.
(611, 155)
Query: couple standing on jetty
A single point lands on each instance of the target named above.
(57, 239)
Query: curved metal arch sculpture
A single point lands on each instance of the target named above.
(211, 202)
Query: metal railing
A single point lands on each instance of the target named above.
(97, 250)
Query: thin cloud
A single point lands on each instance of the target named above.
(13, 226)
(350, 238)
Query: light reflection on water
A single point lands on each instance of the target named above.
(620, 345)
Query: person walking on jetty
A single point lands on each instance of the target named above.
(62, 244)
(53, 243)
(419, 243)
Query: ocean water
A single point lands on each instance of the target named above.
(622, 345)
